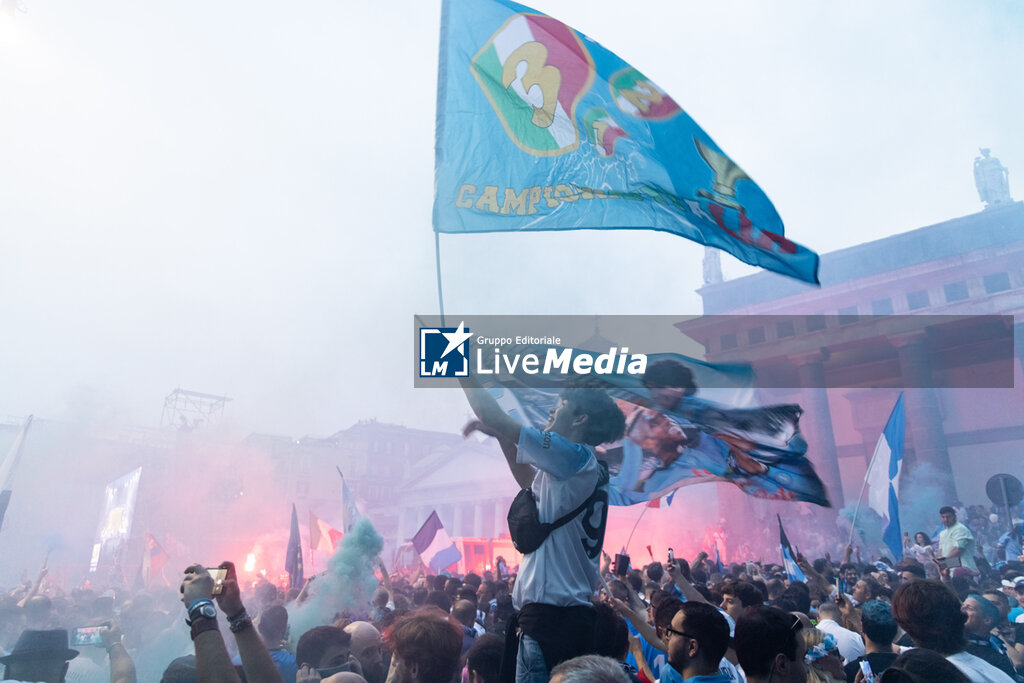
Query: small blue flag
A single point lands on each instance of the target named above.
(884, 478)
(293, 556)
(541, 128)
(718, 562)
(793, 571)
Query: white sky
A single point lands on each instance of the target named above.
(235, 197)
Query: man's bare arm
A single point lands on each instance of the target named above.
(259, 667)
(685, 587)
(646, 631)
(122, 668)
(488, 411)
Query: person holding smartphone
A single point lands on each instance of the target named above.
(212, 661)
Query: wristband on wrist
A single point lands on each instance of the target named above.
(201, 610)
(240, 621)
(197, 602)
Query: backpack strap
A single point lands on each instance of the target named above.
(602, 479)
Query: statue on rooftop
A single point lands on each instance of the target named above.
(991, 179)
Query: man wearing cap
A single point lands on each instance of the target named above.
(1015, 588)
(956, 541)
(39, 656)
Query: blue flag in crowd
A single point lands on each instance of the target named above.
(884, 478)
(541, 128)
(349, 510)
(718, 562)
(293, 556)
(793, 571)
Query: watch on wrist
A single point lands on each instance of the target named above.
(201, 609)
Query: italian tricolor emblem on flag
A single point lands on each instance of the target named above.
(602, 131)
(534, 70)
(639, 97)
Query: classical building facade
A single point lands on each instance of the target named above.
(962, 379)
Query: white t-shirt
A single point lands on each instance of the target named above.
(564, 570)
(850, 643)
(977, 669)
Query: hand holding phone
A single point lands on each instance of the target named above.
(85, 636)
(865, 669)
(218, 574)
(229, 597)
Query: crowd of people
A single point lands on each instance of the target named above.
(568, 613)
(667, 621)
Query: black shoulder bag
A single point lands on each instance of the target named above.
(524, 525)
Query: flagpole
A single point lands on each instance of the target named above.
(860, 499)
(863, 484)
(442, 96)
(782, 551)
(437, 261)
(642, 513)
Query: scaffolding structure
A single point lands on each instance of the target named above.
(189, 410)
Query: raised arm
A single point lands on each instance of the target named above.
(122, 668)
(256, 661)
(488, 411)
(646, 631)
(685, 587)
(212, 662)
(815, 581)
(34, 589)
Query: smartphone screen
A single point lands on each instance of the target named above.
(88, 635)
(218, 579)
(865, 668)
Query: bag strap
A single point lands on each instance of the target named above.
(602, 478)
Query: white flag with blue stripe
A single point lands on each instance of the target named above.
(434, 544)
(884, 478)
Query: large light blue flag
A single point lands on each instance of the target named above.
(884, 478)
(541, 128)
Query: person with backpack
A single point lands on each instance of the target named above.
(564, 506)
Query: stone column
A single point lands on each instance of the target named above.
(458, 525)
(403, 525)
(924, 419)
(500, 518)
(816, 424)
(478, 520)
(444, 512)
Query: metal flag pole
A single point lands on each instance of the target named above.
(437, 261)
(642, 513)
(864, 484)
